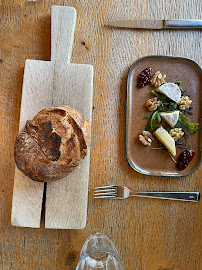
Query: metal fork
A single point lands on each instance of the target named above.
(121, 192)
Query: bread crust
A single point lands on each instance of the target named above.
(52, 144)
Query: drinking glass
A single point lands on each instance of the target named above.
(98, 252)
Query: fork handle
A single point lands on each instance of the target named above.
(181, 196)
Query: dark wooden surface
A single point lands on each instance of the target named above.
(149, 234)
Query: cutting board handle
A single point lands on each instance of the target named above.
(63, 21)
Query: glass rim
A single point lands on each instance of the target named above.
(100, 250)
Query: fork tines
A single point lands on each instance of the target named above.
(105, 192)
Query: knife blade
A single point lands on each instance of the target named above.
(157, 24)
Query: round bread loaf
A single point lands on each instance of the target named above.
(51, 145)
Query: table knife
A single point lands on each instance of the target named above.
(157, 24)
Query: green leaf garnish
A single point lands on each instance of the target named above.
(187, 125)
(178, 82)
(148, 126)
(155, 94)
(155, 121)
(147, 117)
(161, 97)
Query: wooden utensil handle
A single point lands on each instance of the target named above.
(62, 33)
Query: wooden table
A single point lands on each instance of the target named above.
(149, 234)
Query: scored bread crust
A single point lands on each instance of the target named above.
(52, 144)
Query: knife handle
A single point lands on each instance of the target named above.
(185, 24)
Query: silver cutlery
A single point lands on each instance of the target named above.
(121, 192)
(157, 24)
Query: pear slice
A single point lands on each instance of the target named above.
(170, 117)
(166, 139)
(171, 90)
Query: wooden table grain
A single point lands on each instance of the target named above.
(149, 234)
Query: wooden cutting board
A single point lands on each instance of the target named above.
(47, 84)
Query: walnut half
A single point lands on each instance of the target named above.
(176, 133)
(157, 79)
(152, 104)
(184, 103)
(146, 138)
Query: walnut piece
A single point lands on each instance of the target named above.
(152, 104)
(184, 103)
(176, 133)
(146, 138)
(157, 79)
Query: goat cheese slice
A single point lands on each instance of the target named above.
(171, 90)
(170, 117)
